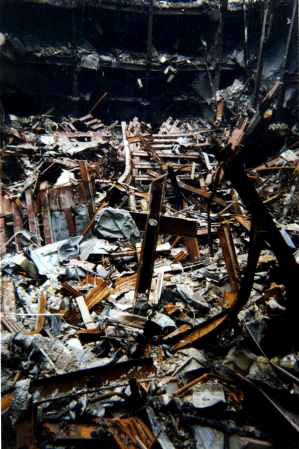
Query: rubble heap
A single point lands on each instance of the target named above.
(149, 282)
(149, 265)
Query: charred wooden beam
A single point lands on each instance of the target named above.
(271, 234)
(148, 249)
(169, 225)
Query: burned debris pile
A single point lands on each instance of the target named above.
(145, 58)
(150, 282)
(150, 244)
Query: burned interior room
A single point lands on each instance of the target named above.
(149, 226)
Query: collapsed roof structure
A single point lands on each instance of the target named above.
(149, 230)
(148, 58)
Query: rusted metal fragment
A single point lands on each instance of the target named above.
(148, 250)
(229, 254)
(131, 433)
(6, 401)
(70, 433)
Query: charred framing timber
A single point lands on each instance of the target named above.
(148, 249)
(203, 193)
(262, 218)
(128, 433)
(32, 215)
(246, 284)
(229, 254)
(192, 247)
(267, 11)
(52, 387)
(46, 214)
(169, 225)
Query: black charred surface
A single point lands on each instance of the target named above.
(66, 54)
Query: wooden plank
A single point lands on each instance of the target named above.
(86, 317)
(193, 248)
(39, 325)
(169, 225)
(148, 250)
